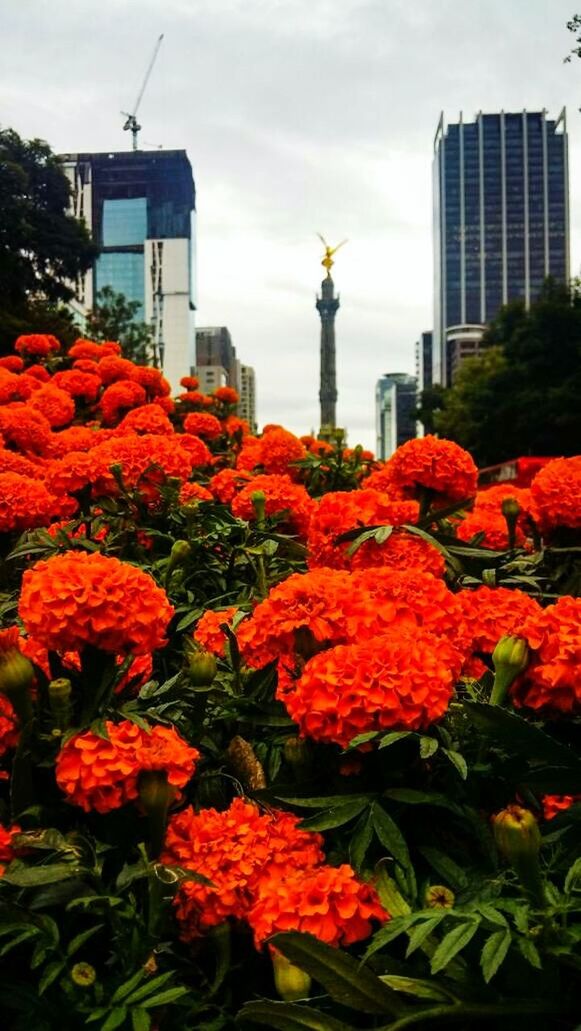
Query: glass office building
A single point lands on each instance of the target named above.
(395, 404)
(501, 223)
(140, 209)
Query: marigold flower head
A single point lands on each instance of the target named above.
(146, 419)
(56, 405)
(555, 804)
(79, 598)
(91, 349)
(86, 365)
(233, 424)
(8, 850)
(552, 680)
(202, 424)
(226, 484)
(76, 438)
(403, 680)
(556, 494)
(329, 902)
(25, 429)
(492, 497)
(113, 368)
(194, 492)
(340, 511)
(197, 450)
(152, 380)
(12, 462)
(493, 525)
(39, 372)
(437, 465)
(195, 398)
(100, 774)
(489, 613)
(69, 474)
(190, 382)
(227, 395)
(208, 633)
(9, 729)
(167, 404)
(12, 362)
(235, 849)
(10, 388)
(279, 450)
(144, 461)
(281, 496)
(24, 503)
(84, 386)
(40, 345)
(118, 398)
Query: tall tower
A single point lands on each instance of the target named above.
(327, 305)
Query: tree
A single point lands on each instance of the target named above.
(521, 396)
(113, 318)
(43, 247)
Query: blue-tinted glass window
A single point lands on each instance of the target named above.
(124, 222)
(124, 273)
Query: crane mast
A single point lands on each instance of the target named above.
(131, 122)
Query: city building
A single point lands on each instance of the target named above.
(140, 209)
(210, 377)
(395, 405)
(214, 347)
(501, 223)
(247, 406)
(423, 354)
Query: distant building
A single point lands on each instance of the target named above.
(423, 355)
(501, 223)
(214, 347)
(247, 406)
(140, 208)
(211, 377)
(395, 404)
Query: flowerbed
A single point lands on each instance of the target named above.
(289, 737)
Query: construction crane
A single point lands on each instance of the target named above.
(131, 122)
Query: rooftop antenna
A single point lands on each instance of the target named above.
(131, 122)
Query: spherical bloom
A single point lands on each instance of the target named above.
(555, 804)
(196, 449)
(437, 465)
(279, 450)
(113, 368)
(9, 731)
(556, 493)
(145, 461)
(80, 598)
(235, 849)
(340, 511)
(152, 381)
(69, 474)
(202, 424)
(227, 395)
(24, 503)
(226, 484)
(119, 397)
(12, 362)
(208, 633)
(194, 397)
(12, 462)
(167, 404)
(492, 497)
(41, 345)
(403, 680)
(493, 525)
(194, 492)
(86, 365)
(233, 425)
(9, 387)
(104, 774)
(25, 429)
(282, 498)
(82, 385)
(146, 419)
(329, 902)
(190, 382)
(90, 349)
(8, 851)
(56, 405)
(552, 680)
(489, 613)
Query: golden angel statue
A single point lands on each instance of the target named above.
(327, 261)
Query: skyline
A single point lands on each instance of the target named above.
(298, 118)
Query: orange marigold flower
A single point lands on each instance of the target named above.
(235, 849)
(489, 613)
(227, 395)
(279, 450)
(113, 368)
(119, 397)
(190, 382)
(39, 372)
(104, 774)
(56, 405)
(76, 438)
(69, 474)
(145, 419)
(39, 344)
(329, 902)
(152, 380)
(82, 385)
(340, 511)
(9, 730)
(202, 424)
(397, 681)
(197, 450)
(91, 349)
(13, 363)
(80, 598)
(428, 462)
(492, 497)
(232, 424)
(145, 461)
(194, 492)
(226, 484)
(167, 404)
(12, 462)
(86, 365)
(8, 851)
(24, 503)
(493, 525)
(556, 493)
(25, 429)
(552, 679)
(555, 804)
(282, 498)
(208, 632)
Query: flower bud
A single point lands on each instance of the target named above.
(258, 499)
(295, 751)
(510, 657)
(518, 840)
(510, 508)
(178, 555)
(202, 666)
(439, 897)
(16, 676)
(155, 796)
(291, 982)
(83, 975)
(59, 696)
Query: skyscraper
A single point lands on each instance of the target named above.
(395, 403)
(501, 222)
(214, 347)
(140, 207)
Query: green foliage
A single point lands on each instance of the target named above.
(113, 317)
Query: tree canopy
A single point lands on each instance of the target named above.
(522, 396)
(114, 318)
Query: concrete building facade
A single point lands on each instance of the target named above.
(395, 404)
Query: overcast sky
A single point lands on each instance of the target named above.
(298, 116)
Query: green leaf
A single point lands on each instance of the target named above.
(573, 877)
(457, 760)
(453, 943)
(333, 817)
(518, 736)
(361, 840)
(383, 534)
(165, 998)
(530, 952)
(140, 1020)
(428, 745)
(494, 953)
(287, 1016)
(414, 986)
(115, 1019)
(340, 974)
(362, 739)
(127, 987)
(51, 972)
(323, 802)
(422, 931)
(410, 796)
(396, 735)
(76, 943)
(453, 874)
(149, 988)
(393, 840)
(32, 876)
(392, 930)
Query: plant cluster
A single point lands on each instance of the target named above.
(289, 738)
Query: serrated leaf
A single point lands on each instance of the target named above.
(31, 876)
(422, 931)
(494, 953)
(76, 943)
(453, 874)
(341, 975)
(457, 760)
(410, 796)
(530, 952)
(165, 998)
(452, 943)
(335, 817)
(115, 1019)
(127, 987)
(396, 735)
(322, 802)
(151, 986)
(518, 736)
(50, 974)
(428, 746)
(140, 1020)
(362, 739)
(287, 1016)
(383, 534)
(392, 930)
(361, 840)
(573, 876)
(414, 986)
(393, 840)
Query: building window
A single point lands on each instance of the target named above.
(124, 222)
(123, 272)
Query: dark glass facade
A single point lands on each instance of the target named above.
(500, 217)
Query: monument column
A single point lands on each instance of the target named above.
(327, 305)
